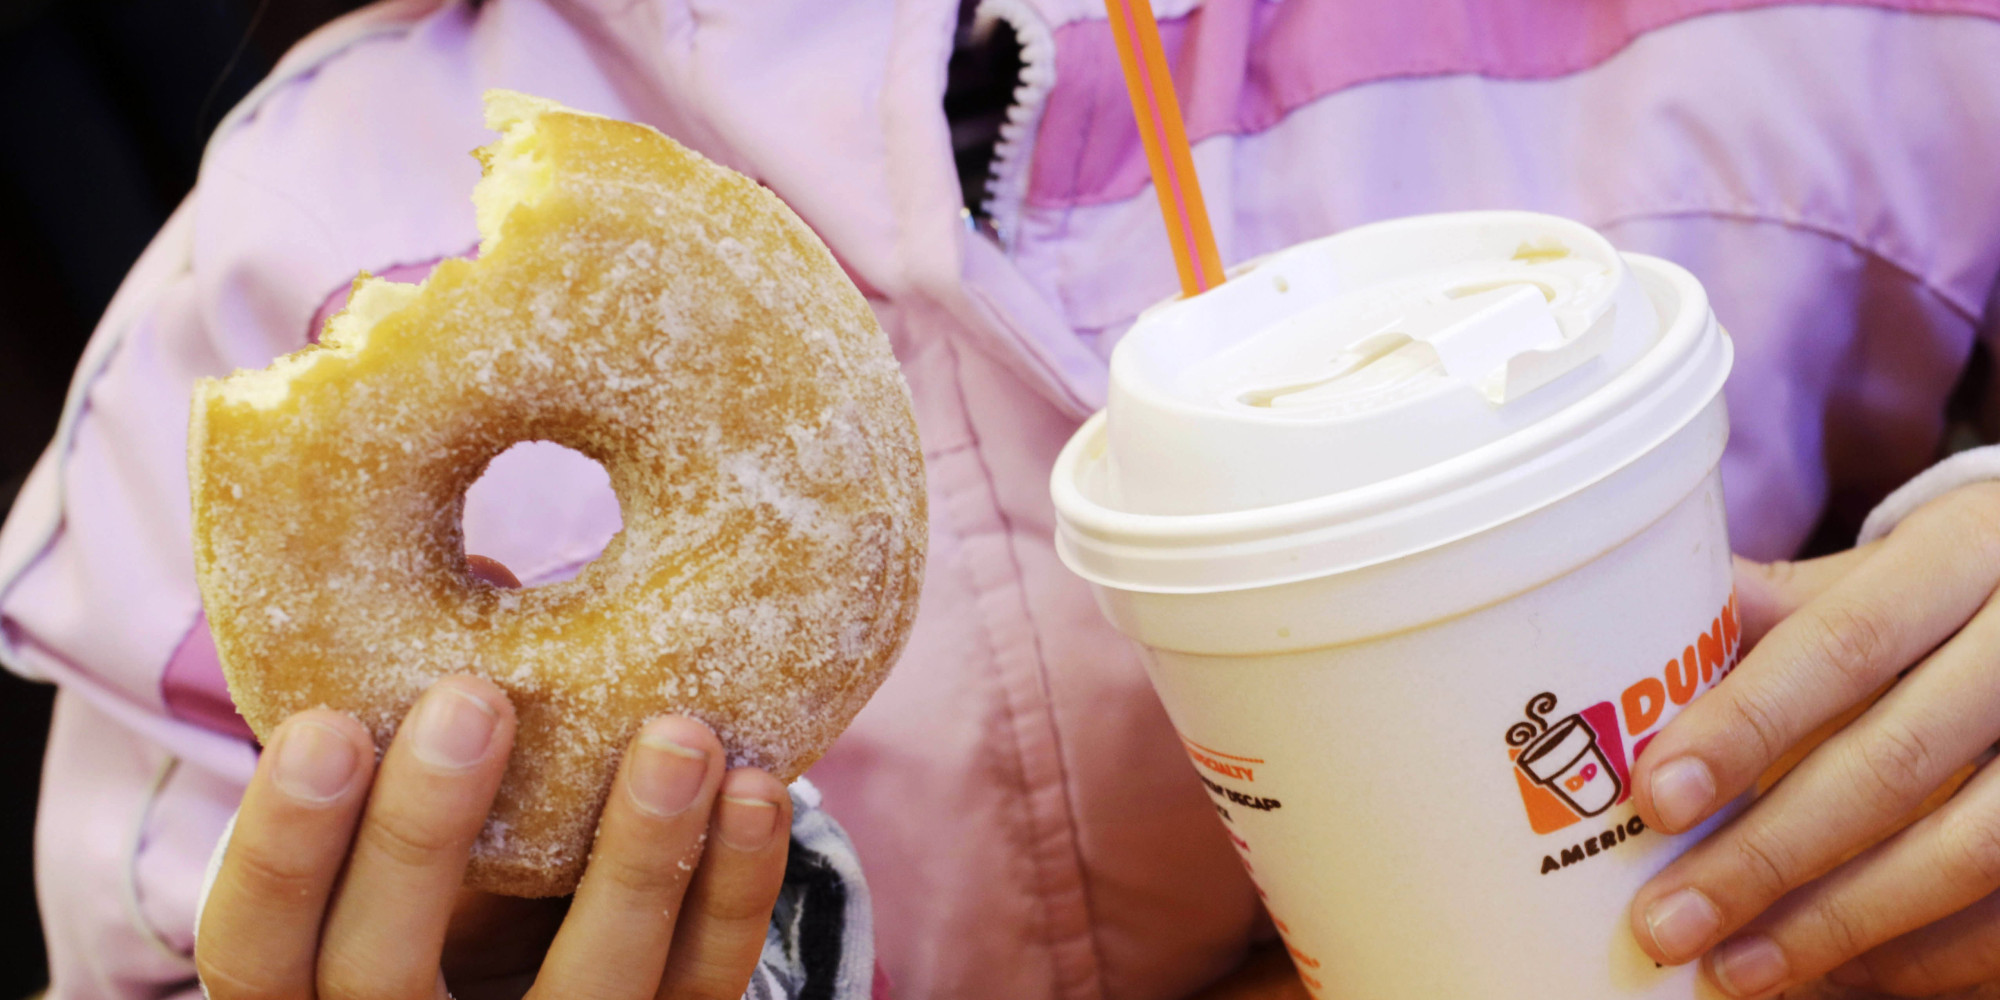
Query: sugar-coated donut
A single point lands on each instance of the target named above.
(671, 320)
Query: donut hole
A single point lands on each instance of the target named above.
(542, 510)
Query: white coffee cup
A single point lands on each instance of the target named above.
(1421, 528)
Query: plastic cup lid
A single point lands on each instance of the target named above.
(1377, 392)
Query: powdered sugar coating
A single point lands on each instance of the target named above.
(676, 323)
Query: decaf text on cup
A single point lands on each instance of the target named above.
(1234, 797)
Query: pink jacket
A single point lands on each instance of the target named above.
(1028, 825)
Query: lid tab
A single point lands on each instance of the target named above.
(1477, 337)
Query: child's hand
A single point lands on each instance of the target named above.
(342, 879)
(1780, 894)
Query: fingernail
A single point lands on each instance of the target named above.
(666, 776)
(1749, 966)
(1853, 975)
(315, 763)
(1682, 790)
(1682, 924)
(454, 729)
(747, 824)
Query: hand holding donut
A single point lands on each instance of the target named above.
(667, 318)
(342, 878)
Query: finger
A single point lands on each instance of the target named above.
(1768, 593)
(728, 910)
(1941, 865)
(492, 571)
(614, 942)
(1893, 607)
(1856, 789)
(259, 930)
(387, 927)
(1960, 951)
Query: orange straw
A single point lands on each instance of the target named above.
(1158, 113)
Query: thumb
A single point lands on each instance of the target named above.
(1767, 593)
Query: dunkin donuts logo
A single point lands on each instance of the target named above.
(1574, 766)
(1579, 761)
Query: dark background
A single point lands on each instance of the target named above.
(106, 105)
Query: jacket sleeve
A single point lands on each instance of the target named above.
(1963, 469)
(97, 595)
(334, 163)
(122, 830)
(1969, 466)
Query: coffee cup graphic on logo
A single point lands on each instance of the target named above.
(1565, 758)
